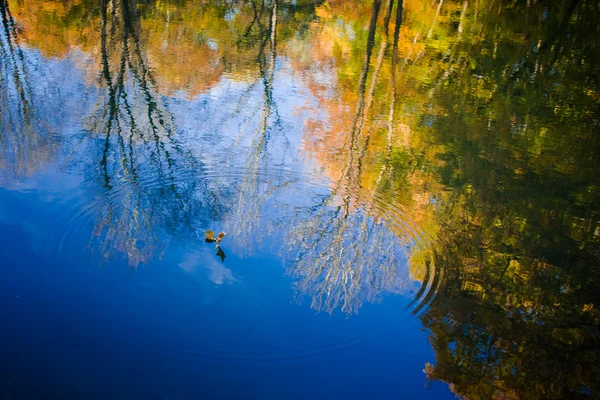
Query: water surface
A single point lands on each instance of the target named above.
(409, 191)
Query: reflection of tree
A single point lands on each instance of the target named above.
(495, 112)
(148, 178)
(507, 322)
(514, 314)
(345, 255)
(193, 43)
(251, 197)
(495, 130)
(14, 74)
(24, 145)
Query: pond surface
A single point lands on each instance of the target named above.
(409, 190)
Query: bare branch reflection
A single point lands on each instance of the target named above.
(24, 143)
(245, 223)
(148, 179)
(346, 255)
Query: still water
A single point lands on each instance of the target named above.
(410, 192)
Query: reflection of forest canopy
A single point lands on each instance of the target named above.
(477, 120)
(522, 228)
(501, 112)
(25, 144)
(192, 43)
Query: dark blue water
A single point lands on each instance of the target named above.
(75, 330)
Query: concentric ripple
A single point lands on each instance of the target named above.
(300, 215)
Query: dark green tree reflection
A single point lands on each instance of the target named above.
(516, 312)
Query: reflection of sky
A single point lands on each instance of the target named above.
(57, 105)
(177, 321)
(205, 260)
(221, 123)
(250, 150)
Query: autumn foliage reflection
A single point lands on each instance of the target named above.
(347, 256)
(459, 135)
(25, 143)
(489, 151)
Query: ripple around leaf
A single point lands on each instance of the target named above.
(340, 256)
